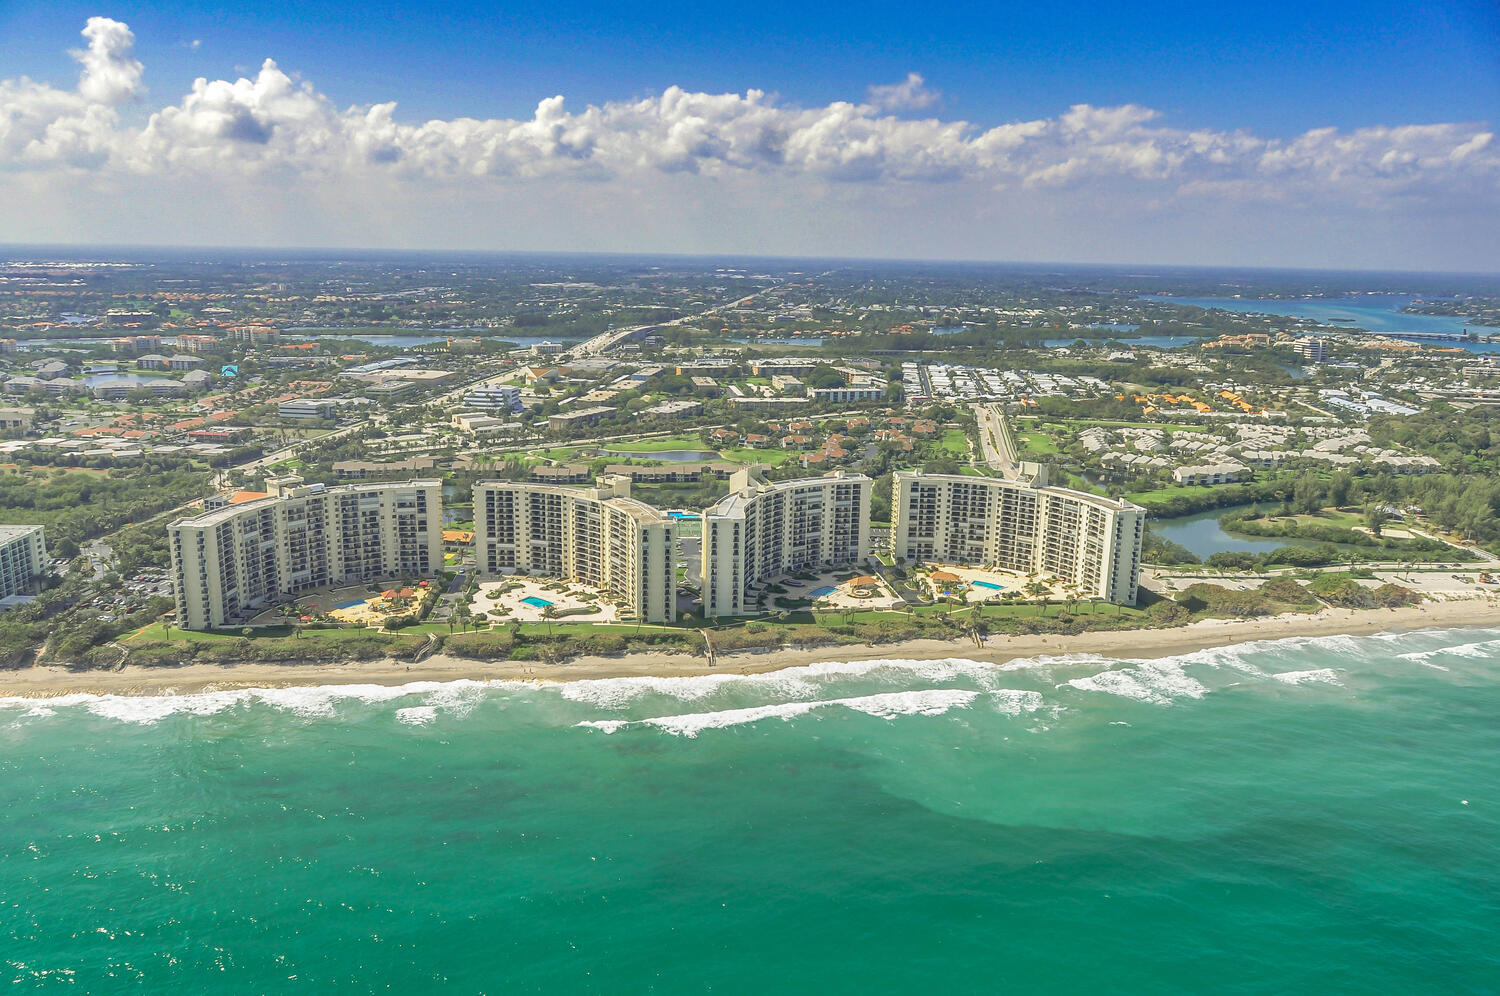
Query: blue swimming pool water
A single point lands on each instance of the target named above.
(350, 605)
(990, 585)
(534, 602)
(682, 515)
(823, 592)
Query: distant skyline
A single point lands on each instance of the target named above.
(1298, 135)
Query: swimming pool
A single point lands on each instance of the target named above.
(823, 592)
(350, 605)
(536, 603)
(990, 585)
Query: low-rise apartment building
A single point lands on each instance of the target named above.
(494, 398)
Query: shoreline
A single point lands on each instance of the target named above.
(52, 681)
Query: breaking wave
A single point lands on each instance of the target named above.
(888, 687)
(932, 702)
(312, 701)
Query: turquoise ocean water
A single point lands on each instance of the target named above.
(1303, 815)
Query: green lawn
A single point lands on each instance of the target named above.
(1172, 491)
(772, 457)
(653, 445)
(1036, 444)
(954, 442)
(561, 454)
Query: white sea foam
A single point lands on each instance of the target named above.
(618, 693)
(797, 682)
(310, 701)
(1325, 675)
(1483, 650)
(1014, 701)
(889, 705)
(1157, 682)
(416, 715)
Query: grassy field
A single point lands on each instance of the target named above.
(955, 443)
(774, 458)
(1172, 491)
(1036, 444)
(655, 445)
(561, 454)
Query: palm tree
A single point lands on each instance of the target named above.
(549, 613)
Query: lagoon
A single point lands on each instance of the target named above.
(1373, 312)
(669, 456)
(1201, 533)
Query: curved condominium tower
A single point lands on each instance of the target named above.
(597, 536)
(234, 561)
(766, 529)
(1086, 540)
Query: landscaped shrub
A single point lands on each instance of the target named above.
(1394, 595)
(1341, 590)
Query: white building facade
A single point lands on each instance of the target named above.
(233, 562)
(764, 530)
(23, 559)
(1086, 540)
(598, 536)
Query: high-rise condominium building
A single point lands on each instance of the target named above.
(766, 529)
(598, 536)
(1084, 539)
(236, 560)
(23, 558)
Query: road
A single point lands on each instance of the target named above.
(605, 341)
(995, 441)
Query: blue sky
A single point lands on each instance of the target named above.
(1275, 72)
(1276, 68)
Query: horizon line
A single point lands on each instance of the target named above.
(85, 247)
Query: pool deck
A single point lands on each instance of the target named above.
(562, 594)
(843, 597)
(1007, 580)
(323, 599)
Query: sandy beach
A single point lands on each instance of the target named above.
(1139, 644)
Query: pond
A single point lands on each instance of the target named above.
(1202, 534)
(669, 456)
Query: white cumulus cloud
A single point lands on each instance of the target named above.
(110, 75)
(273, 126)
(911, 94)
